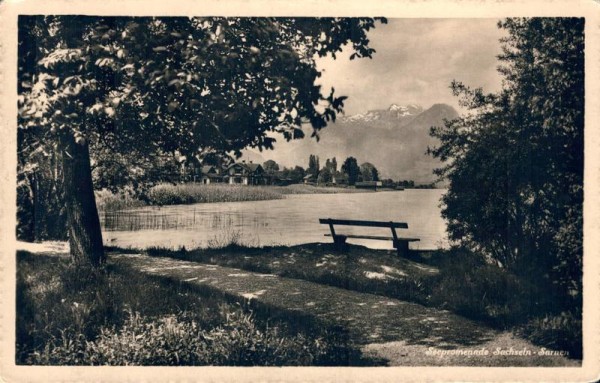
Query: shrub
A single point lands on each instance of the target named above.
(108, 201)
(558, 332)
(179, 340)
(478, 290)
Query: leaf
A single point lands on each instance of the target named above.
(173, 105)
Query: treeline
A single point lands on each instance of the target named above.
(349, 173)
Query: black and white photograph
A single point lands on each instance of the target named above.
(295, 190)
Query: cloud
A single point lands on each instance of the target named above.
(416, 60)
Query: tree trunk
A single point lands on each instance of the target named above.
(85, 236)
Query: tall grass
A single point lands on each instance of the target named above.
(108, 201)
(231, 239)
(170, 194)
(167, 194)
(312, 189)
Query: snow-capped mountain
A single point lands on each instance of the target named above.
(394, 140)
(401, 112)
(406, 110)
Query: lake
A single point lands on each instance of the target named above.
(290, 221)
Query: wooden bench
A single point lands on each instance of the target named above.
(400, 243)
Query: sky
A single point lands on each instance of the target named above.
(415, 62)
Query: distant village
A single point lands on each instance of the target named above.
(243, 172)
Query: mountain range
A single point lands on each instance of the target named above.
(394, 140)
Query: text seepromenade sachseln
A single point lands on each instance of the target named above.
(498, 351)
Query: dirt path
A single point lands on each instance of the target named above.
(405, 334)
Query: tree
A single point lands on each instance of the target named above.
(369, 172)
(515, 163)
(375, 174)
(133, 89)
(270, 166)
(313, 165)
(331, 164)
(341, 178)
(297, 174)
(40, 214)
(388, 183)
(332, 174)
(407, 183)
(324, 176)
(219, 160)
(351, 169)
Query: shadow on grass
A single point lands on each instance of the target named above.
(441, 280)
(366, 318)
(344, 349)
(59, 310)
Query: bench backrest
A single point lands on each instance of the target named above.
(350, 222)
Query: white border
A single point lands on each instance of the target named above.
(590, 370)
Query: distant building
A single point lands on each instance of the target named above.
(190, 169)
(309, 179)
(242, 173)
(279, 179)
(209, 174)
(239, 173)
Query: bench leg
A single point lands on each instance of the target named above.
(339, 241)
(402, 248)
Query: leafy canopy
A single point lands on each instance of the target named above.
(351, 169)
(515, 161)
(139, 88)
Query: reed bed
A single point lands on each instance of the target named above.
(166, 194)
(158, 219)
(312, 189)
(107, 201)
(179, 194)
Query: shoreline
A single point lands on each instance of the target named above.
(191, 193)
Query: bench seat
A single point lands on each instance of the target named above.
(383, 238)
(400, 243)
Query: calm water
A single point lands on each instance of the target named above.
(290, 221)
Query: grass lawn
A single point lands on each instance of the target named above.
(118, 316)
(391, 329)
(69, 316)
(453, 280)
